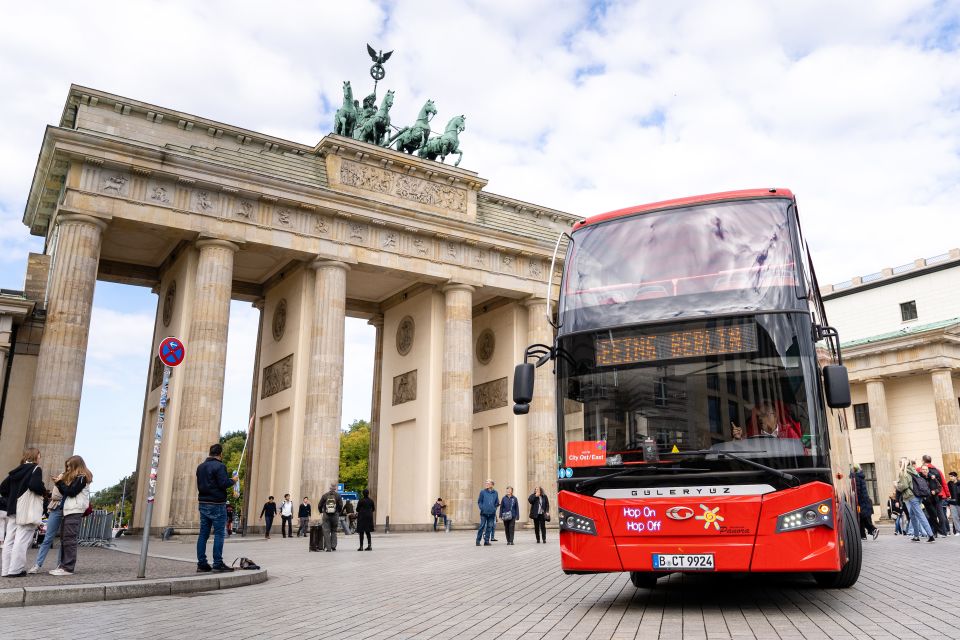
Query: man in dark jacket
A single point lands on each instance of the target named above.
(212, 484)
(269, 511)
(953, 501)
(330, 506)
(304, 513)
(935, 477)
(487, 501)
(864, 504)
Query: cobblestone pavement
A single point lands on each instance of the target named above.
(423, 585)
(97, 565)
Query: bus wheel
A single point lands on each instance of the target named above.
(643, 579)
(847, 576)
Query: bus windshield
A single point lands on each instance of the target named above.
(708, 259)
(734, 385)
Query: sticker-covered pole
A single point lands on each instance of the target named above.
(171, 354)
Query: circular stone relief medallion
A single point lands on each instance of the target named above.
(169, 299)
(405, 331)
(486, 343)
(280, 319)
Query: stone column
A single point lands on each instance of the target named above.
(55, 405)
(883, 460)
(542, 419)
(6, 344)
(321, 431)
(456, 405)
(374, 456)
(202, 374)
(948, 418)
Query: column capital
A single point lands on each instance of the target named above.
(457, 286)
(100, 223)
(258, 303)
(376, 321)
(949, 370)
(533, 301)
(322, 263)
(873, 379)
(217, 242)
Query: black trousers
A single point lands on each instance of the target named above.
(934, 514)
(68, 541)
(269, 520)
(286, 526)
(540, 528)
(361, 538)
(508, 528)
(866, 524)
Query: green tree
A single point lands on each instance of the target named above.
(110, 497)
(354, 448)
(232, 443)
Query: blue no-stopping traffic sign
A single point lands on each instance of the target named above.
(172, 352)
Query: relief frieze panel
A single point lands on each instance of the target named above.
(490, 395)
(277, 377)
(405, 387)
(407, 187)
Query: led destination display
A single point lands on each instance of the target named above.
(687, 343)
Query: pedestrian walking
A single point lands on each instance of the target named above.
(330, 506)
(439, 513)
(54, 519)
(895, 511)
(931, 502)
(286, 516)
(913, 487)
(864, 504)
(365, 509)
(941, 496)
(509, 513)
(347, 514)
(488, 501)
(953, 502)
(74, 485)
(212, 484)
(23, 489)
(539, 513)
(267, 514)
(304, 511)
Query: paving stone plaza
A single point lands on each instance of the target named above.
(422, 585)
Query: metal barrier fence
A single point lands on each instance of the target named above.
(96, 530)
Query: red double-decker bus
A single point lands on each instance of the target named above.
(697, 387)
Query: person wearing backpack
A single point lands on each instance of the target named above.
(914, 488)
(931, 503)
(330, 506)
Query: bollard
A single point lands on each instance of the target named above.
(448, 526)
(386, 525)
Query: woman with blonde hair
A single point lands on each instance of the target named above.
(23, 490)
(74, 485)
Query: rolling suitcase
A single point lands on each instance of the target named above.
(316, 538)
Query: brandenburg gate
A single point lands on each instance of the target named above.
(452, 277)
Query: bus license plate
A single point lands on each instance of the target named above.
(686, 562)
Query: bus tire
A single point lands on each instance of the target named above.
(644, 579)
(848, 574)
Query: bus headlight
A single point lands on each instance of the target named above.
(570, 521)
(818, 514)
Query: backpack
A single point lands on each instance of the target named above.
(921, 488)
(330, 506)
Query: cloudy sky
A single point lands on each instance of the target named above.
(581, 106)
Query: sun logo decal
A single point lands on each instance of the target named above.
(710, 517)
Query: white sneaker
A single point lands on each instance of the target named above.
(34, 569)
(61, 572)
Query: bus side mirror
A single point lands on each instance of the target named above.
(523, 376)
(836, 386)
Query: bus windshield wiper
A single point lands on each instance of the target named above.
(789, 477)
(628, 471)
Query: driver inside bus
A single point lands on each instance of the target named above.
(769, 420)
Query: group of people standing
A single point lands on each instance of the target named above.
(489, 502)
(924, 503)
(24, 499)
(335, 513)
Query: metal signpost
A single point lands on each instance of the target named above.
(171, 353)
